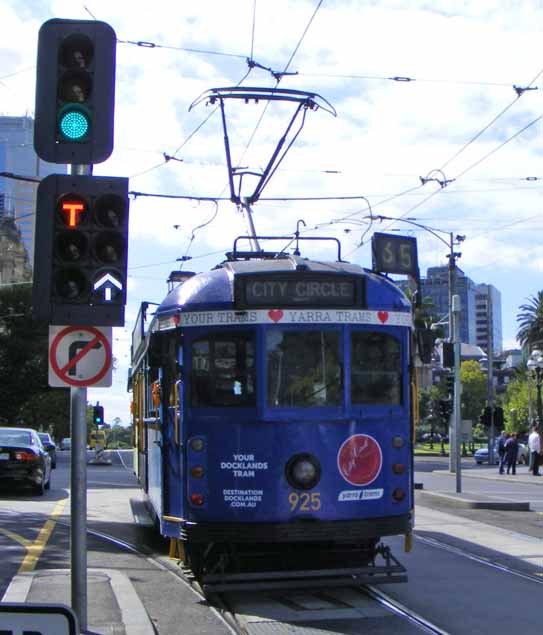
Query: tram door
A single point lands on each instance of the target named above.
(172, 429)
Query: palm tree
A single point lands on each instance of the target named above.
(530, 321)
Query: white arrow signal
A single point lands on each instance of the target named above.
(107, 281)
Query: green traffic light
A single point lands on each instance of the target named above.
(74, 124)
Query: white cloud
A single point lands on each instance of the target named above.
(463, 58)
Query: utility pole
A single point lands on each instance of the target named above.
(490, 376)
(452, 256)
(457, 415)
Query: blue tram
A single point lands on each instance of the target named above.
(272, 403)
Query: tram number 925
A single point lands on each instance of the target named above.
(304, 502)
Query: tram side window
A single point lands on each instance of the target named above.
(223, 371)
(376, 377)
(303, 368)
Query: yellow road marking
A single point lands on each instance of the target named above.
(34, 549)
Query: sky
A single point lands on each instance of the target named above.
(435, 120)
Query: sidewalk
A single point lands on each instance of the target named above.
(475, 500)
(113, 606)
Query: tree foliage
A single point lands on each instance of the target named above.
(24, 392)
(530, 323)
(516, 399)
(474, 389)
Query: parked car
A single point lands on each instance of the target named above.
(66, 444)
(24, 460)
(50, 446)
(481, 455)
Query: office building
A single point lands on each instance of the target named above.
(17, 156)
(488, 316)
(436, 287)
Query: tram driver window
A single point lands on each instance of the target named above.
(223, 371)
(303, 368)
(375, 369)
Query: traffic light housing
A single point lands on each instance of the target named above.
(485, 418)
(80, 253)
(98, 415)
(445, 408)
(449, 382)
(498, 418)
(75, 91)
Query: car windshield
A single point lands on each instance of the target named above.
(45, 438)
(14, 437)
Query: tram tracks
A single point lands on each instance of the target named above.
(232, 613)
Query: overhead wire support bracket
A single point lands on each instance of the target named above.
(522, 89)
(277, 75)
(304, 100)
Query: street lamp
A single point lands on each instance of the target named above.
(535, 366)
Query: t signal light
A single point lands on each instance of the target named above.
(80, 253)
(75, 91)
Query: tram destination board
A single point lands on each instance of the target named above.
(298, 290)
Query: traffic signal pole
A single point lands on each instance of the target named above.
(78, 486)
(81, 223)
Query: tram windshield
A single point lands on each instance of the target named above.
(303, 368)
(223, 371)
(376, 377)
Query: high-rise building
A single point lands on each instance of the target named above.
(18, 197)
(488, 316)
(436, 287)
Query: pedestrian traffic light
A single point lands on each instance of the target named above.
(485, 418)
(75, 91)
(98, 415)
(80, 252)
(445, 408)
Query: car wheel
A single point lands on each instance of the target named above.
(39, 489)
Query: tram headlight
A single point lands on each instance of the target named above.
(303, 471)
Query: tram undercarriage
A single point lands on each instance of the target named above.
(223, 566)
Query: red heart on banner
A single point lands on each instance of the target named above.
(383, 316)
(275, 314)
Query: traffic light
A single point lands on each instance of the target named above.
(485, 418)
(447, 355)
(98, 415)
(449, 382)
(75, 91)
(80, 252)
(498, 417)
(445, 408)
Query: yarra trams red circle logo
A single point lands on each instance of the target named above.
(360, 459)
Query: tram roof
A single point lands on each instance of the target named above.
(216, 287)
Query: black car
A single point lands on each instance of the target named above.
(50, 446)
(24, 460)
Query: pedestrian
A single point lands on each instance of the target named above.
(511, 453)
(534, 445)
(502, 439)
